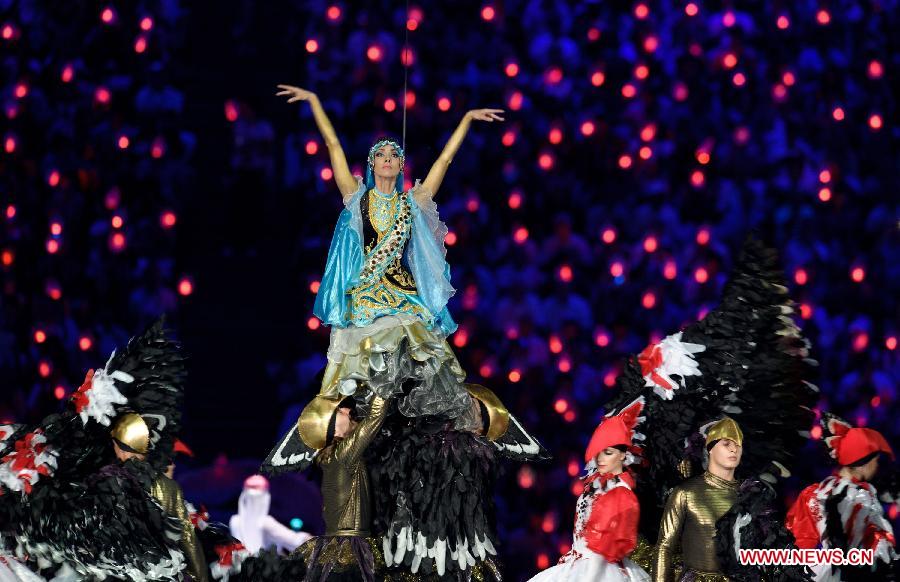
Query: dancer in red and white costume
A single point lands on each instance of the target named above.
(607, 512)
(844, 510)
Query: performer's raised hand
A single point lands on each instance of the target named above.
(489, 115)
(295, 93)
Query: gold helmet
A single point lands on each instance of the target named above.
(498, 415)
(314, 420)
(132, 433)
(726, 428)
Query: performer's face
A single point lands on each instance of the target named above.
(867, 471)
(124, 455)
(343, 424)
(726, 453)
(610, 460)
(387, 162)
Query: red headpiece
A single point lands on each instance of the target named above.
(848, 444)
(616, 429)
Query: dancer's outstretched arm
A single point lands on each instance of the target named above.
(439, 169)
(346, 183)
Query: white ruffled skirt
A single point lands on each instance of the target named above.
(593, 568)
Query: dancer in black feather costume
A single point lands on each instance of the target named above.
(77, 505)
(747, 360)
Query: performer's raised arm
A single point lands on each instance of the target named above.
(439, 168)
(345, 181)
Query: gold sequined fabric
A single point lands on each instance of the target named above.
(704, 577)
(346, 496)
(689, 521)
(169, 495)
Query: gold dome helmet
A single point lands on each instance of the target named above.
(131, 433)
(315, 419)
(497, 414)
(726, 428)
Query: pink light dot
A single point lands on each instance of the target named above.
(313, 323)
(691, 9)
(625, 161)
(515, 376)
(545, 161)
(167, 219)
(825, 176)
(411, 25)
(390, 105)
(53, 179)
(10, 144)
(891, 343)
(783, 22)
(875, 121)
(825, 194)
(801, 277)
(651, 43)
(806, 310)
(565, 365)
(107, 15)
(314, 287)
(609, 379)
(68, 73)
(146, 23)
(59, 392)
(515, 101)
(838, 114)
(461, 338)
(680, 92)
(231, 111)
(554, 75)
(569, 416)
(648, 132)
(616, 269)
(10, 212)
(641, 11)
(729, 19)
(185, 287)
(7, 257)
(701, 275)
(739, 79)
(40, 336)
(645, 153)
(697, 178)
(21, 90)
(629, 91)
(312, 45)
(140, 44)
(779, 92)
(509, 138)
(858, 274)
(823, 17)
(512, 69)
(85, 343)
(641, 72)
(875, 70)
(555, 136)
(521, 235)
(587, 128)
(572, 469)
(816, 432)
(312, 147)
(651, 244)
(326, 174)
(333, 13)
(450, 239)
(648, 300)
(407, 57)
(117, 241)
(488, 13)
(730, 61)
(56, 229)
(593, 34)
(44, 369)
(52, 246)
(608, 236)
(703, 236)
(565, 274)
(526, 478)
(601, 339)
(788, 79)
(8, 32)
(670, 270)
(860, 342)
(374, 53)
(117, 221)
(598, 78)
(485, 371)
(124, 142)
(443, 104)
(555, 344)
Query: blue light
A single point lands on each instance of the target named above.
(296, 524)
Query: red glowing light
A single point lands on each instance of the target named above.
(10, 212)
(411, 25)
(44, 369)
(555, 344)
(554, 75)
(628, 90)
(648, 300)
(146, 23)
(779, 92)
(56, 229)
(609, 379)
(21, 90)
(701, 275)
(651, 244)
(231, 111)
(167, 219)
(825, 176)
(560, 405)
(461, 338)
(697, 178)
(488, 13)
(326, 174)
(54, 292)
(875, 70)
(140, 44)
(739, 79)
(641, 11)
(587, 128)
(860, 341)
(891, 343)
(408, 57)
(816, 432)
(691, 9)
(783, 22)
(608, 236)
(806, 310)
(858, 274)
(788, 79)
(485, 371)
(801, 277)
(545, 161)
(443, 104)
(117, 221)
(838, 114)
(68, 73)
(526, 478)
(52, 246)
(333, 12)
(124, 142)
(314, 287)
(555, 136)
(641, 72)
(10, 144)
(617, 269)
(601, 338)
(520, 235)
(512, 69)
(313, 323)
(374, 53)
(565, 274)
(158, 149)
(825, 194)
(645, 153)
(7, 257)
(509, 138)
(102, 95)
(875, 121)
(515, 376)
(573, 469)
(107, 15)
(597, 78)
(670, 270)
(515, 200)
(450, 239)
(680, 92)
(569, 416)
(565, 365)
(117, 241)
(593, 34)
(59, 392)
(389, 105)
(648, 132)
(312, 147)
(728, 19)
(8, 32)
(85, 343)
(312, 45)
(823, 17)
(40, 336)
(625, 161)
(515, 101)
(730, 61)
(651, 43)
